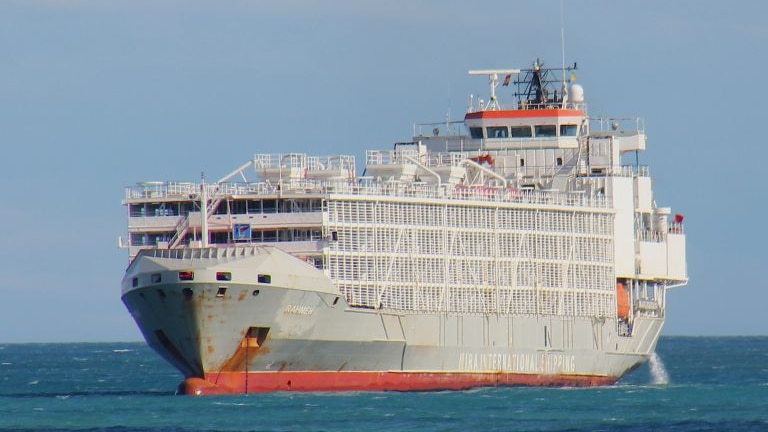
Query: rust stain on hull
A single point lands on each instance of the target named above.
(238, 361)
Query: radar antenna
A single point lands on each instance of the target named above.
(493, 80)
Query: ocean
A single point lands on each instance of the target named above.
(692, 384)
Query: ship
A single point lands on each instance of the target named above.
(518, 246)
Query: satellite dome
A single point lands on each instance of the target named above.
(577, 93)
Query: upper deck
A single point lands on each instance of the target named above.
(363, 188)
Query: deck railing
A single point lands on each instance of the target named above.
(189, 191)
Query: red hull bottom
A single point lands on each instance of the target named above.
(260, 382)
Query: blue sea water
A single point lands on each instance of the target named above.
(713, 384)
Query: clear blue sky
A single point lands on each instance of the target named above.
(96, 95)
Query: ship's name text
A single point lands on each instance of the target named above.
(298, 310)
(530, 363)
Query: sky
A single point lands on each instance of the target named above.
(97, 95)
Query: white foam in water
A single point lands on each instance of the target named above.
(658, 372)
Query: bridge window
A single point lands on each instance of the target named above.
(269, 206)
(238, 207)
(545, 130)
(520, 132)
(567, 130)
(476, 132)
(497, 132)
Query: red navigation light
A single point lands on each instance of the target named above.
(678, 219)
(186, 275)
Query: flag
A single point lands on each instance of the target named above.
(506, 80)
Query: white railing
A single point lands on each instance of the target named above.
(336, 162)
(633, 171)
(391, 157)
(141, 192)
(604, 124)
(280, 160)
(651, 236)
(446, 159)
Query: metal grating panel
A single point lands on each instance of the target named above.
(413, 257)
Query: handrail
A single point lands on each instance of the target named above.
(363, 187)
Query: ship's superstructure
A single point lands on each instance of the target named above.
(510, 248)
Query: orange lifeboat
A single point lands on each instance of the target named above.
(622, 301)
(483, 159)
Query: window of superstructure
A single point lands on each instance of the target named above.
(559, 161)
(476, 132)
(138, 239)
(306, 234)
(270, 236)
(520, 132)
(545, 130)
(287, 206)
(150, 239)
(222, 208)
(254, 206)
(497, 132)
(269, 206)
(567, 130)
(186, 207)
(159, 209)
(220, 237)
(238, 207)
(137, 210)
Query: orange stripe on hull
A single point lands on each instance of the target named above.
(260, 382)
